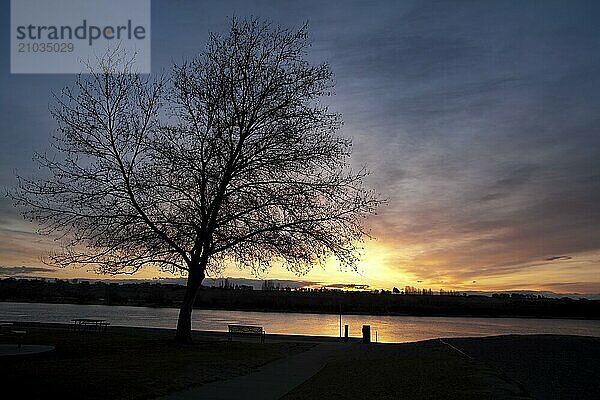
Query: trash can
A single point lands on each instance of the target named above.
(366, 333)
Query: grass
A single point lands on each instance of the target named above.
(127, 365)
(423, 370)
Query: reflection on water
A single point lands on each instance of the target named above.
(388, 328)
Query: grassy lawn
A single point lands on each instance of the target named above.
(424, 370)
(126, 365)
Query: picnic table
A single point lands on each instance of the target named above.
(91, 324)
(18, 333)
(3, 324)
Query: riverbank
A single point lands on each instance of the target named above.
(138, 363)
(128, 363)
(197, 335)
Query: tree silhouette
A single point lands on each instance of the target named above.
(231, 159)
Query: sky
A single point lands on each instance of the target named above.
(480, 122)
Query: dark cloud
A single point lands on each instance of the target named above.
(516, 176)
(492, 196)
(20, 271)
(559, 258)
(350, 286)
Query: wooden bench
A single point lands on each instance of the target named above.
(246, 330)
(84, 324)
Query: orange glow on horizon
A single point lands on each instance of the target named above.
(384, 264)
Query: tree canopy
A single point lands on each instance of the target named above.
(232, 158)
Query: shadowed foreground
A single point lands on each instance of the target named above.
(136, 363)
(421, 370)
(548, 366)
(498, 367)
(127, 363)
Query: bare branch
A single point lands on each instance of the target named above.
(235, 158)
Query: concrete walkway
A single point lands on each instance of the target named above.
(269, 382)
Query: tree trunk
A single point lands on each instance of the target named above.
(184, 323)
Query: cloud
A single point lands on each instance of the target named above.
(558, 258)
(479, 121)
(516, 176)
(19, 271)
(350, 286)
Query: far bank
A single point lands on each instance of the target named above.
(323, 302)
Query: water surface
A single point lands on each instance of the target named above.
(387, 328)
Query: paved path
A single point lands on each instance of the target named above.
(270, 381)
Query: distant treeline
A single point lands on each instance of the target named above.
(317, 301)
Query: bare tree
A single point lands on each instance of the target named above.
(233, 160)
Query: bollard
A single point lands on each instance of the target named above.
(345, 333)
(366, 333)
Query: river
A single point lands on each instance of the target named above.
(387, 328)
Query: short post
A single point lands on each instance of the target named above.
(345, 333)
(340, 320)
(19, 335)
(366, 333)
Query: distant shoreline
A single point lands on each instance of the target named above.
(279, 311)
(311, 302)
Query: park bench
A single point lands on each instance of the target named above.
(247, 330)
(88, 324)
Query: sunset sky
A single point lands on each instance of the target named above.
(480, 122)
